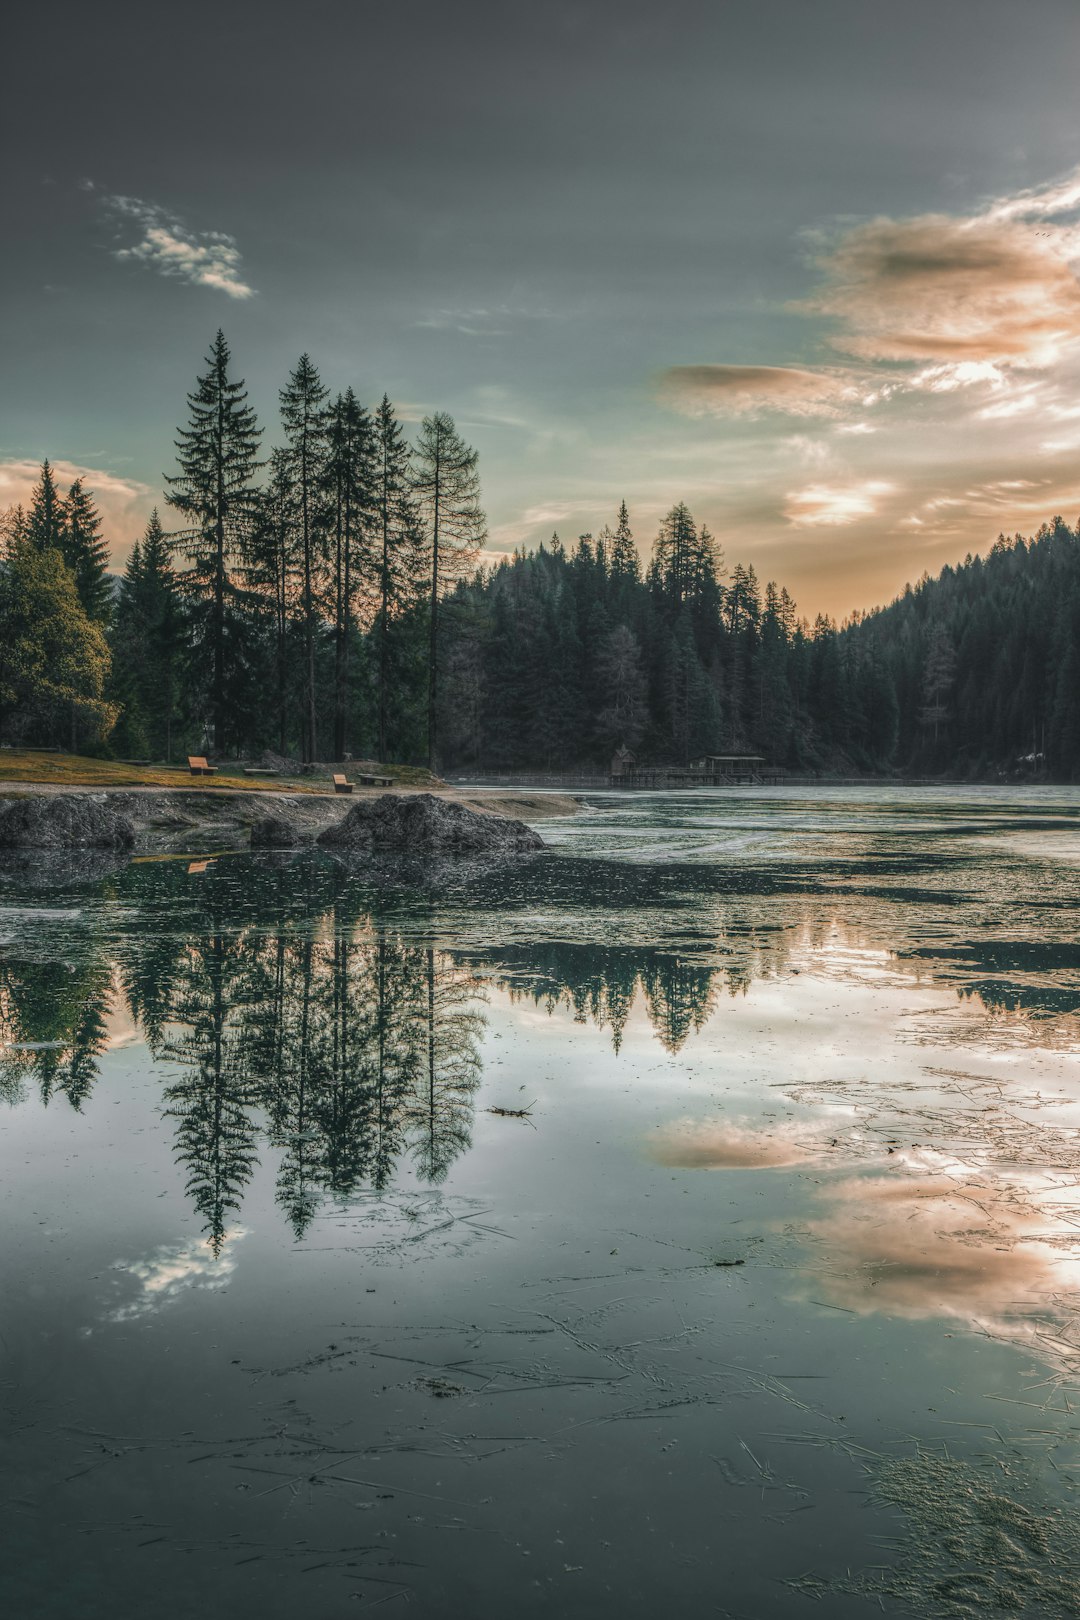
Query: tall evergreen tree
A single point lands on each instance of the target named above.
(303, 416)
(446, 482)
(85, 552)
(147, 637)
(350, 478)
(624, 561)
(218, 457)
(396, 549)
(271, 569)
(45, 519)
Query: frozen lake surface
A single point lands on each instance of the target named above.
(685, 1221)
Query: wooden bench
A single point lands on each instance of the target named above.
(259, 770)
(198, 767)
(375, 781)
(341, 783)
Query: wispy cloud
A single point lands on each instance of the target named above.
(498, 320)
(723, 390)
(167, 245)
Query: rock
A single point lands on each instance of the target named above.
(421, 824)
(274, 832)
(269, 761)
(64, 821)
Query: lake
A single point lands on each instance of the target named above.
(686, 1220)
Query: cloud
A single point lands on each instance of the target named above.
(988, 289)
(833, 505)
(124, 503)
(205, 258)
(722, 390)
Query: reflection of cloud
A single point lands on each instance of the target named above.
(719, 390)
(934, 1236)
(927, 1246)
(706, 1145)
(205, 258)
(174, 1270)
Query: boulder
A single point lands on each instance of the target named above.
(422, 824)
(64, 821)
(274, 832)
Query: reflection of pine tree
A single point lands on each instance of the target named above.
(344, 1109)
(441, 1114)
(291, 1099)
(215, 1137)
(54, 1001)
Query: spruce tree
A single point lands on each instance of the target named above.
(45, 520)
(85, 552)
(396, 555)
(215, 492)
(270, 564)
(303, 416)
(446, 483)
(148, 646)
(350, 478)
(623, 560)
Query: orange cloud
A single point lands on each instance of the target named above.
(833, 505)
(720, 390)
(124, 503)
(934, 288)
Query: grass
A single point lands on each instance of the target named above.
(76, 770)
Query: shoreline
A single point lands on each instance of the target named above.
(193, 818)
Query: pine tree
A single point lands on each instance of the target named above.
(148, 635)
(675, 556)
(397, 548)
(303, 416)
(214, 490)
(45, 519)
(446, 484)
(270, 564)
(350, 477)
(85, 552)
(624, 561)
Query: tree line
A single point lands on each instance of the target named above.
(295, 605)
(325, 599)
(555, 658)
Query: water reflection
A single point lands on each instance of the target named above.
(331, 1018)
(347, 1048)
(342, 1046)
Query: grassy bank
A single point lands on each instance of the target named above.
(76, 770)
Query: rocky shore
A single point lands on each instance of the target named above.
(177, 821)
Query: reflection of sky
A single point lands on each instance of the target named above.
(167, 1273)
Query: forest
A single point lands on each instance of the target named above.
(326, 598)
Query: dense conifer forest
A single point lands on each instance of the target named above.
(323, 598)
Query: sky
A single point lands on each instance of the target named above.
(808, 265)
